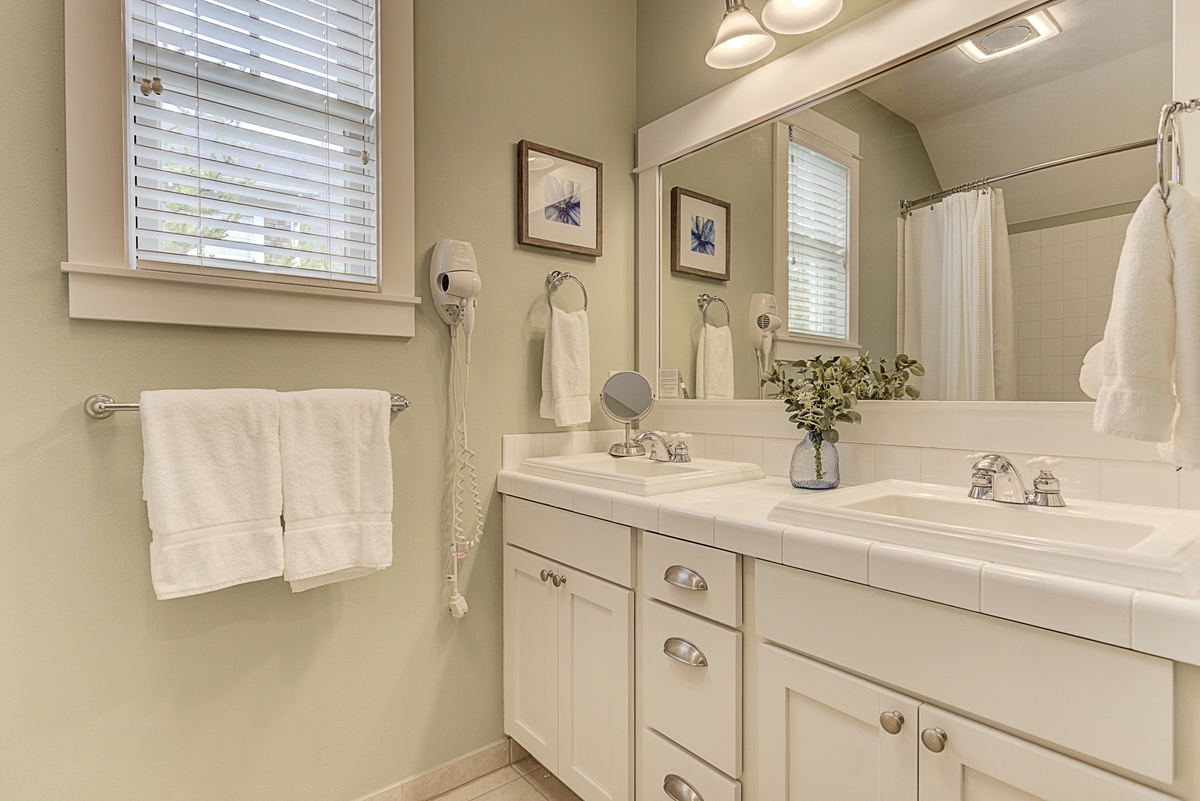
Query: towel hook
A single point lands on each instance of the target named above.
(705, 300)
(1170, 164)
(556, 279)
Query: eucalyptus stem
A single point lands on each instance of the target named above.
(817, 439)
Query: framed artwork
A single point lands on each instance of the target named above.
(560, 199)
(699, 234)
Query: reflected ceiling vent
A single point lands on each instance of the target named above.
(1011, 37)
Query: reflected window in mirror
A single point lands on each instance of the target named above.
(817, 233)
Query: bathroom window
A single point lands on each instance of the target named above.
(249, 192)
(816, 233)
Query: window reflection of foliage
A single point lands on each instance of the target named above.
(192, 229)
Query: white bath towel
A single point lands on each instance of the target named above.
(1183, 229)
(1091, 375)
(566, 369)
(211, 480)
(714, 363)
(337, 485)
(1136, 398)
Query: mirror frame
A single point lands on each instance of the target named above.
(902, 31)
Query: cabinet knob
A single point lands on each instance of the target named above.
(677, 788)
(934, 740)
(685, 578)
(545, 574)
(558, 580)
(892, 722)
(683, 651)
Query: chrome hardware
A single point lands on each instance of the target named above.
(675, 787)
(892, 722)
(101, 406)
(685, 578)
(558, 580)
(674, 451)
(995, 478)
(545, 574)
(934, 740)
(683, 651)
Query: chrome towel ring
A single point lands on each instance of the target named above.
(556, 279)
(705, 300)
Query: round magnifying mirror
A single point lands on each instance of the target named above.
(627, 397)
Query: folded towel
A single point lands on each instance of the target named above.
(211, 480)
(1136, 398)
(337, 484)
(566, 369)
(714, 363)
(1183, 228)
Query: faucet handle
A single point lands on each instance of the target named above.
(680, 436)
(1046, 464)
(1047, 490)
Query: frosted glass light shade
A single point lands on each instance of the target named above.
(799, 16)
(740, 40)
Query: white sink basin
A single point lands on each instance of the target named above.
(1135, 546)
(637, 475)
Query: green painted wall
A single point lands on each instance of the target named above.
(252, 692)
(739, 171)
(674, 35)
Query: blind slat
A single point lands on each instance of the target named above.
(818, 200)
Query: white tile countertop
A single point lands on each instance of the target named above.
(734, 518)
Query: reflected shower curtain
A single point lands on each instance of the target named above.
(958, 297)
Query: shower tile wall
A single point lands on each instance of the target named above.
(1062, 279)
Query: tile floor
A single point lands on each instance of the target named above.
(521, 781)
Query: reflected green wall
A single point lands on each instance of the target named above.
(252, 692)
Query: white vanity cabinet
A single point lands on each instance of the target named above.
(568, 646)
(824, 733)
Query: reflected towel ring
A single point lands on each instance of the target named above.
(1170, 164)
(705, 300)
(556, 279)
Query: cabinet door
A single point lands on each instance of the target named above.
(822, 737)
(978, 763)
(531, 655)
(595, 687)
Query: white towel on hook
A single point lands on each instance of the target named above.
(1183, 228)
(211, 481)
(714, 363)
(566, 369)
(337, 484)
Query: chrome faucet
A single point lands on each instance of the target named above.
(673, 451)
(995, 478)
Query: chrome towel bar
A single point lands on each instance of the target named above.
(100, 406)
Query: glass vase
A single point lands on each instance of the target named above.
(815, 464)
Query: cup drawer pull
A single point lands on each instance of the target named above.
(685, 578)
(683, 651)
(680, 790)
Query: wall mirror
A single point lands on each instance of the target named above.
(919, 128)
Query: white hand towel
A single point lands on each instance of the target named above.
(1183, 228)
(1136, 398)
(337, 485)
(1090, 374)
(714, 363)
(566, 369)
(211, 480)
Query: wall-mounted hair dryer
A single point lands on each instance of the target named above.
(764, 322)
(454, 280)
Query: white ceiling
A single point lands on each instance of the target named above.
(1098, 84)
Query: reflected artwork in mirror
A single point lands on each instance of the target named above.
(816, 196)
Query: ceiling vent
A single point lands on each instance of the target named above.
(1011, 37)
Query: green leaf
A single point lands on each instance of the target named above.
(830, 436)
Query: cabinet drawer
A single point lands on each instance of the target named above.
(1060, 690)
(601, 548)
(703, 580)
(665, 763)
(697, 706)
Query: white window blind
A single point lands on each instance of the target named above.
(818, 214)
(257, 160)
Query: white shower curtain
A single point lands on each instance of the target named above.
(958, 297)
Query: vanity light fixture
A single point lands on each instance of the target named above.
(740, 39)
(799, 16)
(1010, 37)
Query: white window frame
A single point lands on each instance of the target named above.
(101, 283)
(839, 143)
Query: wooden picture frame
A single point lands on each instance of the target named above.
(699, 235)
(560, 200)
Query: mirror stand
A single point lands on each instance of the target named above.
(627, 397)
(628, 447)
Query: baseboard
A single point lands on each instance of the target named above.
(456, 772)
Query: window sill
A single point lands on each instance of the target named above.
(117, 293)
(794, 348)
